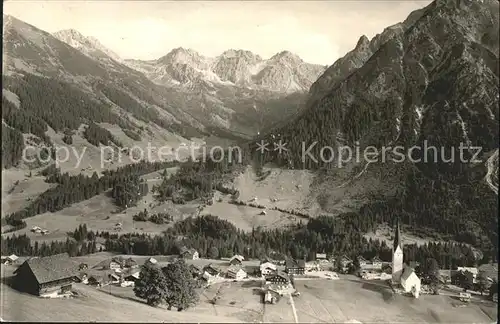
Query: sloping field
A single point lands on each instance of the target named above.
(92, 305)
(290, 188)
(344, 300)
(16, 197)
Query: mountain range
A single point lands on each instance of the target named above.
(431, 80)
(236, 94)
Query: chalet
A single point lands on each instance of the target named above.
(211, 270)
(236, 272)
(236, 259)
(469, 272)
(410, 282)
(152, 261)
(267, 268)
(83, 266)
(52, 275)
(362, 261)
(278, 278)
(321, 256)
(114, 264)
(11, 259)
(296, 267)
(376, 262)
(312, 266)
(132, 277)
(189, 254)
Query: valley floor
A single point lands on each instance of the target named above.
(348, 300)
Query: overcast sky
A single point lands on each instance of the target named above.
(319, 32)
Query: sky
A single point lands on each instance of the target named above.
(317, 31)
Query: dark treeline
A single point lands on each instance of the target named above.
(72, 189)
(216, 238)
(127, 193)
(22, 245)
(12, 146)
(199, 179)
(57, 103)
(97, 135)
(23, 120)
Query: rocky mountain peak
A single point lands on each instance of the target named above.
(89, 45)
(362, 43)
(286, 57)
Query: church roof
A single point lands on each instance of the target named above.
(397, 237)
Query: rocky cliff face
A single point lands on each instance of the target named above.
(283, 73)
(433, 80)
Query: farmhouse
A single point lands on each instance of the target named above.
(9, 259)
(376, 263)
(152, 261)
(469, 272)
(114, 264)
(235, 272)
(362, 261)
(236, 259)
(132, 277)
(211, 271)
(312, 266)
(410, 282)
(320, 256)
(189, 254)
(267, 268)
(48, 276)
(297, 267)
(83, 266)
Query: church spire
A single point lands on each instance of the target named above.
(397, 237)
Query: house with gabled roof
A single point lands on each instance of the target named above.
(266, 268)
(321, 256)
(152, 261)
(362, 261)
(10, 259)
(189, 253)
(376, 262)
(236, 272)
(296, 267)
(236, 259)
(52, 275)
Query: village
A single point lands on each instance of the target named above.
(273, 280)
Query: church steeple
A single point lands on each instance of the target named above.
(397, 237)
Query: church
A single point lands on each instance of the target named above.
(403, 275)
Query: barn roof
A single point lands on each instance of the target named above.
(52, 268)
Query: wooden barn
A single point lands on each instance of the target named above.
(52, 275)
